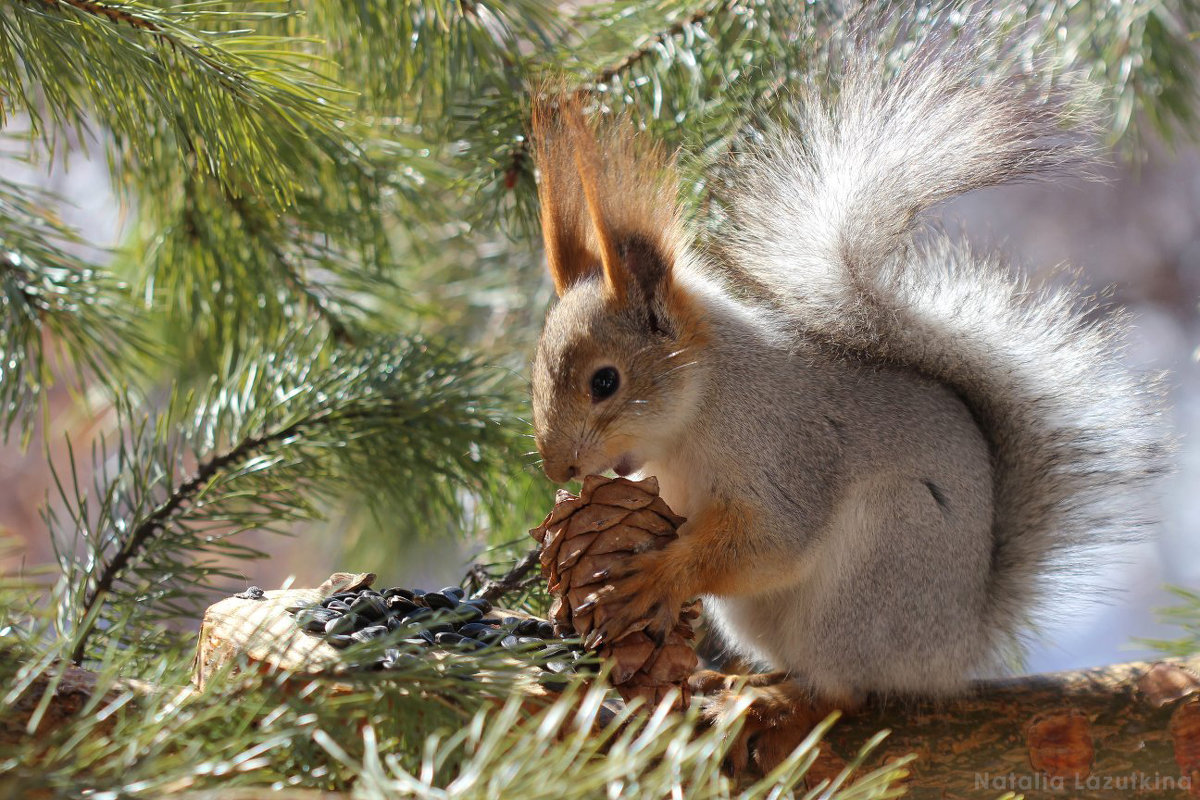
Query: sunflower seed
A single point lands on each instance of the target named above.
(465, 614)
(473, 629)
(478, 602)
(399, 605)
(558, 665)
(553, 682)
(307, 615)
(417, 615)
(369, 633)
(439, 600)
(370, 607)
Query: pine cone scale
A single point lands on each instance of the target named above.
(582, 538)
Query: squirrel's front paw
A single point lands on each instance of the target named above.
(635, 597)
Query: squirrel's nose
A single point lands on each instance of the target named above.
(559, 472)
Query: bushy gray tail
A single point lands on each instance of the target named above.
(823, 215)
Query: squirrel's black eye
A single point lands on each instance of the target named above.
(604, 383)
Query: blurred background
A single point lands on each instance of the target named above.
(1134, 238)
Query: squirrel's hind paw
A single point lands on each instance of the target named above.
(777, 718)
(708, 681)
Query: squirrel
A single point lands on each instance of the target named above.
(890, 451)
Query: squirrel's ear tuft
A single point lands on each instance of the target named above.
(560, 191)
(607, 201)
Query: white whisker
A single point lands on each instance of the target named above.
(676, 368)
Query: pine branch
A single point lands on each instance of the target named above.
(153, 523)
(652, 42)
(46, 289)
(418, 730)
(1187, 616)
(316, 301)
(423, 58)
(291, 272)
(119, 15)
(516, 579)
(410, 428)
(171, 81)
(227, 272)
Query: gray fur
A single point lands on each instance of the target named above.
(928, 446)
(824, 216)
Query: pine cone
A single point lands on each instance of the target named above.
(581, 538)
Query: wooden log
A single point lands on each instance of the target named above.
(1126, 731)
(72, 689)
(261, 631)
(240, 632)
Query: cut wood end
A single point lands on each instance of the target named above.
(262, 631)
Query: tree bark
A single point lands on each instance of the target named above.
(1126, 731)
(1131, 730)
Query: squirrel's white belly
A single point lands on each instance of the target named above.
(754, 628)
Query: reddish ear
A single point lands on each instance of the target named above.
(607, 202)
(560, 192)
(592, 179)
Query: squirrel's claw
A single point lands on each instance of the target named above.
(776, 721)
(632, 614)
(634, 597)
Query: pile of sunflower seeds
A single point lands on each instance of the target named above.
(444, 620)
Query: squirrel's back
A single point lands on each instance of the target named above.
(822, 218)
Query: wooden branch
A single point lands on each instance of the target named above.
(111, 12)
(1120, 732)
(152, 525)
(1126, 731)
(515, 579)
(73, 690)
(651, 42)
(293, 274)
